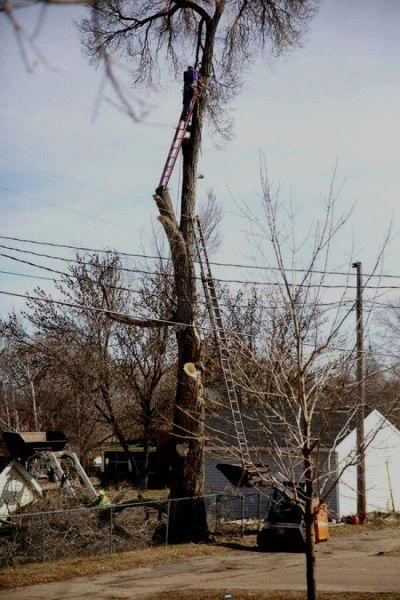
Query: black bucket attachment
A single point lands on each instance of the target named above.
(282, 537)
(23, 445)
(284, 530)
(241, 477)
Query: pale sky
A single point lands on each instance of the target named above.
(334, 99)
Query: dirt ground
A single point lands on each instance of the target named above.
(366, 561)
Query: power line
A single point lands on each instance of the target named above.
(82, 248)
(97, 310)
(28, 275)
(220, 280)
(64, 273)
(119, 314)
(152, 319)
(71, 210)
(68, 179)
(68, 260)
(216, 263)
(82, 185)
(332, 305)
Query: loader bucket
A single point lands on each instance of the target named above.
(24, 444)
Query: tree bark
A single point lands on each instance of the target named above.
(147, 429)
(33, 398)
(188, 518)
(109, 416)
(309, 524)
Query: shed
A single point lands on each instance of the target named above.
(382, 467)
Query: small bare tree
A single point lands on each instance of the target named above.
(299, 369)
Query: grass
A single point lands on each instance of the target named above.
(255, 595)
(374, 524)
(126, 494)
(36, 573)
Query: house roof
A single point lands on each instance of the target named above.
(374, 421)
(266, 429)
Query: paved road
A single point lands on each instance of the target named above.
(344, 564)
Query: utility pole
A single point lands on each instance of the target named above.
(361, 487)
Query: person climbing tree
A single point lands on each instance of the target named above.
(191, 78)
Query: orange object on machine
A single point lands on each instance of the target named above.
(321, 530)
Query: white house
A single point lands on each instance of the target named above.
(382, 467)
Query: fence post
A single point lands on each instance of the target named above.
(167, 524)
(42, 554)
(111, 529)
(242, 512)
(259, 510)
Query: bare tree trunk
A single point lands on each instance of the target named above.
(7, 408)
(188, 519)
(33, 398)
(109, 416)
(14, 408)
(309, 523)
(146, 449)
(34, 407)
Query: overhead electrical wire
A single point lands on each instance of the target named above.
(119, 314)
(168, 322)
(220, 280)
(336, 304)
(138, 255)
(68, 179)
(29, 275)
(54, 205)
(215, 263)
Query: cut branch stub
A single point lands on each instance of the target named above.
(191, 370)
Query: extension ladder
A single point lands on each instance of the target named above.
(221, 343)
(176, 145)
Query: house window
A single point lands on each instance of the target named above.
(116, 462)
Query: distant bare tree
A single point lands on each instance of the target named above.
(99, 374)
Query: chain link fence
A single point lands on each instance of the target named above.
(54, 535)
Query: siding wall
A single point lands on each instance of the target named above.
(382, 467)
(215, 481)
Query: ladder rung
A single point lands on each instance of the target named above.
(221, 341)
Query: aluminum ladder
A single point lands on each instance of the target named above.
(176, 145)
(221, 342)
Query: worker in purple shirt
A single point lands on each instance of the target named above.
(191, 78)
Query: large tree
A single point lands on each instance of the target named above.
(222, 36)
